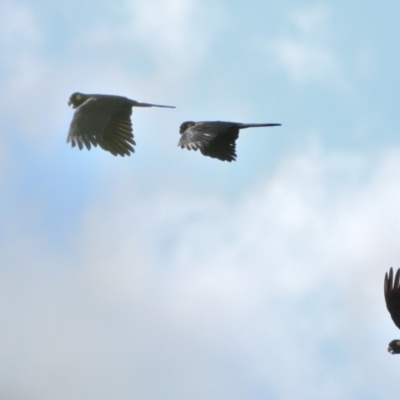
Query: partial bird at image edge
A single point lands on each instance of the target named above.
(392, 298)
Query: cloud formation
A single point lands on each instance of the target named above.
(222, 297)
(308, 53)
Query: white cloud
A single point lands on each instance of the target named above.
(19, 31)
(307, 54)
(306, 63)
(312, 21)
(28, 81)
(7, 162)
(174, 35)
(212, 298)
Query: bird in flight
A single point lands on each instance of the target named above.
(216, 139)
(392, 298)
(103, 120)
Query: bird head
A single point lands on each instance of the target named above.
(394, 347)
(185, 126)
(76, 99)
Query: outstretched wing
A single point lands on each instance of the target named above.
(214, 139)
(118, 136)
(103, 120)
(392, 295)
(200, 134)
(223, 146)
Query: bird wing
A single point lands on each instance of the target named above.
(103, 120)
(392, 295)
(199, 135)
(223, 146)
(118, 136)
(215, 139)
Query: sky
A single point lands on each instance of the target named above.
(170, 275)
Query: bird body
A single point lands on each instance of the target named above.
(392, 299)
(216, 139)
(103, 120)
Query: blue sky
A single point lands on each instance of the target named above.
(176, 276)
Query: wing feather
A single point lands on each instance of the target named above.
(216, 139)
(104, 121)
(392, 295)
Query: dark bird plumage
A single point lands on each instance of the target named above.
(216, 139)
(392, 298)
(103, 120)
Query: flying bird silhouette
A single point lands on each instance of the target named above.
(103, 120)
(392, 298)
(216, 139)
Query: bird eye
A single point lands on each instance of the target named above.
(78, 97)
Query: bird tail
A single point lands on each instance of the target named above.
(137, 104)
(244, 126)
